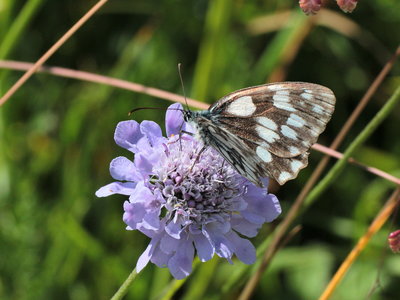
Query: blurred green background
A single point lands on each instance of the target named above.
(57, 240)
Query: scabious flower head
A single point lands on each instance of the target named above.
(184, 202)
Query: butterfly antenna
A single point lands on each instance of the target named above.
(159, 108)
(183, 86)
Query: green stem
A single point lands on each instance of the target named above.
(124, 287)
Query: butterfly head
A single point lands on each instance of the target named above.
(187, 115)
(191, 116)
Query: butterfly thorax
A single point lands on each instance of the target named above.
(200, 121)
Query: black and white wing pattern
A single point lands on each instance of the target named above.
(266, 130)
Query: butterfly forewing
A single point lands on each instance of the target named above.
(267, 130)
(286, 117)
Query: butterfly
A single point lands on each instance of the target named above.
(266, 130)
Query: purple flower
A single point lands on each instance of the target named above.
(185, 206)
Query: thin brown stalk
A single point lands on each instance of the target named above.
(51, 51)
(131, 86)
(372, 170)
(375, 226)
(297, 205)
(90, 77)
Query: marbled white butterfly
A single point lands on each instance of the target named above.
(266, 130)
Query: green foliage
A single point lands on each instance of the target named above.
(58, 241)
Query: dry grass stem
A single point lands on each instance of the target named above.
(90, 77)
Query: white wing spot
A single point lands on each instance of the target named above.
(282, 101)
(294, 150)
(284, 106)
(267, 122)
(296, 121)
(318, 109)
(296, 165)
(288, 132)
(280, 97)
(242, 107)
(267, 134)
(306, 96)
(284, 176)
(264, 154)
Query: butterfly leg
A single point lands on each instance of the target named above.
(197, 158)
(187, 132)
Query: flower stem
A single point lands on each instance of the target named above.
(124, 287)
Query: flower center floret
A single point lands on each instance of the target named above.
(196, 188)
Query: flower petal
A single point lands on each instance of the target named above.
(151, 233)
(122, 168)
(133, 214)
(141, 194)
(123, 188)
(205, 250)
(174, 119)
(262, 207)
(244, 227)
(146, 255)
(221, 244)
(160, 259)
(152, 131)
(174, 229)
(151, 221)
(127, 134)
(143, 164)
(168, 244)
(180, 264)
(243, 248)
